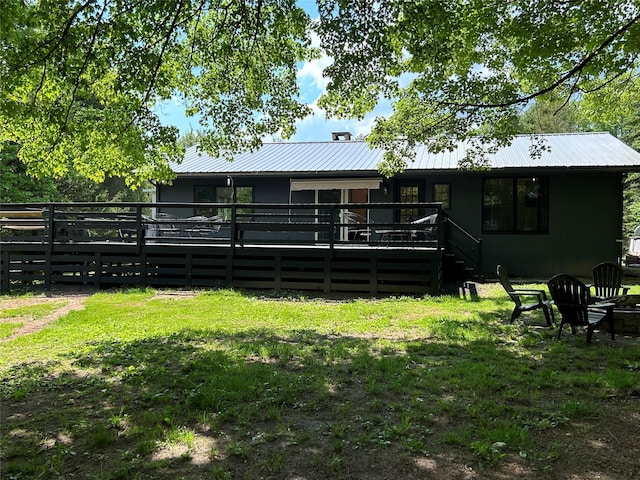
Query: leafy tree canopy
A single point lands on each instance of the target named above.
(80, 79)
(18, 187)
(453, 66)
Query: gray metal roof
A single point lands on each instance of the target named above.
(576, 150)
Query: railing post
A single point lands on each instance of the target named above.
(439, 227)
(234, 227)
(6, 269)
(51, 226)
(52, 229)
(332, 226)
(139, 228)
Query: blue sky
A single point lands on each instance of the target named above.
(312, 84)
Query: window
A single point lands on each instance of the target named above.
(206, 193)
(409, 194)
(515, 204)
(442, 194)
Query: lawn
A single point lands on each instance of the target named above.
(235, 385)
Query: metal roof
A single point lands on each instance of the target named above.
(575, 150)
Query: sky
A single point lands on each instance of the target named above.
(313, 128)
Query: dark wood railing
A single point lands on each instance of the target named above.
(359, 248)
(222, 223)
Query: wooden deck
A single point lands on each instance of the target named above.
(81, 246)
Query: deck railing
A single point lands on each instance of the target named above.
(223, 223)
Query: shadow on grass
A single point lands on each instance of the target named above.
(206, 404)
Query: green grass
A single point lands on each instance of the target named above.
(230, 385)
(31, 311)
(10, 318)
(8, 329)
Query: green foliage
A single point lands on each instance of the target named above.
(81, 81)
(18, 186)
(190, 138)
(552, 114)
(631, 202)
(450, 67)
(616, 108)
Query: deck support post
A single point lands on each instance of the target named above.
(373, 285)
(98, 271)
(327, 274)
(4, 283)
(277, 273)
(188, 270)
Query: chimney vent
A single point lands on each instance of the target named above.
(337, 136)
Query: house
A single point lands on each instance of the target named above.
(559, 212)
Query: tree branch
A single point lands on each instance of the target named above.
(23, 64)
(575, 70)
(87, 56)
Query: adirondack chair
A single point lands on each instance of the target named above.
(534, 299)
(607, 281)
(573, 300)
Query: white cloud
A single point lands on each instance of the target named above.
(317, 127)
(312, 71)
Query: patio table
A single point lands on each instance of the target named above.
(395, 235)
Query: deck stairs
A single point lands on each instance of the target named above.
(462, 255)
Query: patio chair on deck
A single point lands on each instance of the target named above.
(164, 225)
(425, 228)
(357, 228)
(535, 298)
(573, 300)
(607, 281)
(201, 226)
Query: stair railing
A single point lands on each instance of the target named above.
(463, 245)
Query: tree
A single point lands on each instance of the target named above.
(18, 186)
(616, 108)
(190, 138)
(551, 114)
(81, 79)
(451, 67)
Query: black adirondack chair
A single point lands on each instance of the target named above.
(533, 299)
(607, 281)
(572, 298)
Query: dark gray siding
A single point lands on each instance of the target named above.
(584, 229)
(584, 217)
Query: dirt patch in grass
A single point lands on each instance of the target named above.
(32, 324)
(67, 303)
